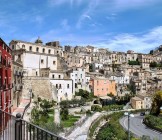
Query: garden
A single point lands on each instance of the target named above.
(42, 115)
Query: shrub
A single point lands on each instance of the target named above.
(96, 108)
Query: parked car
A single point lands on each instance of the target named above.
(142, 114)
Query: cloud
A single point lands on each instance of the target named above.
(139, 43)
(112, 17)
(65, 25)
(122, 42)
(61, 2)
(87, 16)
(87, 12)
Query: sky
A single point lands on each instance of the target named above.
(119, 25)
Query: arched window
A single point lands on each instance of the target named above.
(37, 49)
(49, 51)
(30, 48)
(23, 46)
(43, 50)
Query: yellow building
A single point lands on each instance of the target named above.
(137, 103)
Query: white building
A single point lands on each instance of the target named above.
(36, 56)
(62, 89)
(80, 80)
(97, 66)
(120, 78)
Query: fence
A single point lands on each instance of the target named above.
(15, 128)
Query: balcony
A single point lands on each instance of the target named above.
(15, 72)
(15, 128)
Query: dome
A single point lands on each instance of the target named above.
(39, 41)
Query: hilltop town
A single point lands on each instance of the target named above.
(76, 80)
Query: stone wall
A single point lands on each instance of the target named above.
(40, 87)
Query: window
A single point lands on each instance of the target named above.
(43, 50)
(53, 76)
(57, 52)
(49, 51)
(36, 73)
(59, 76)
(30, 48)
(54, 62)
(13, 47)
(60, 86)
(23, 46)
(81, 75)
(56, 85)
(42, 61)
(68, 86)
(0, 57)
(37, 50)
(19, 56)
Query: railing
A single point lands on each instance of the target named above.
(15, 128)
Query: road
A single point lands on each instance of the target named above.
(138, 128)
(80, 133)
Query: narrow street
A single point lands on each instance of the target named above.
(80, 133)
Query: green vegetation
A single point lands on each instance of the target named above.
(94, 125)
(90, 68)
(88, 96)
(112, 130)
(43, 115)
(151, 52)
(72, 103)
(96, 108)
(155, 64)
(69, 121)
(134, 62)
(64, 113)
(113, 107)
(157, 103)
(153, 122)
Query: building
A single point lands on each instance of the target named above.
(17, 75)
(101, 86)
(41, 56)
(141, 101)
(136, 103)
(62, 89)
(80, 79)
(5, 77)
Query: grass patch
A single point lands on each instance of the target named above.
(70, 121)
(153, 122)
(112, 130)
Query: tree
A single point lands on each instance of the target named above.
(133, 62)
(157, 103)
(90, 68)
(96, 108)
(144, 137)
(64, 113)
(153, 64)
(151, 52)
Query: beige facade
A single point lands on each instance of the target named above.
(136, 103)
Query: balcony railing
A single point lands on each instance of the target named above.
(15, 128)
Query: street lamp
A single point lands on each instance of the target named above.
(129, 115)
